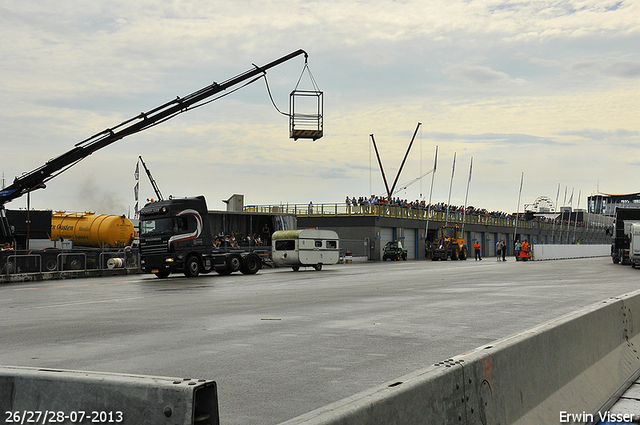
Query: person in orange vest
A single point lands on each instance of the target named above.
(524, 250)
(477, 248)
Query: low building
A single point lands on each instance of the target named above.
(364, 230)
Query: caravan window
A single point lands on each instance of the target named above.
(332, 244)
(285, 245)
(318, 244)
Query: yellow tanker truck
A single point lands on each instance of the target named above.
(92, 230)
(98, 241)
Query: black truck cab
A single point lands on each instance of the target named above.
(176, 236)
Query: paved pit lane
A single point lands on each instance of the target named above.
(281, 343)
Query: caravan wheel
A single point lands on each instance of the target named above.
(318, 267)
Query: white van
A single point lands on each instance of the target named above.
(306, 248)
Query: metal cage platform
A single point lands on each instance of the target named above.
(305, 114)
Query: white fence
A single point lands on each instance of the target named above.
(559, 252)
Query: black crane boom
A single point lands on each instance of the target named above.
(37, 178)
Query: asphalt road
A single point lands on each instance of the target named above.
(280, 343)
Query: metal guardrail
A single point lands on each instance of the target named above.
(74, 266)
(422, 214)
(12, 267)
(24, 261)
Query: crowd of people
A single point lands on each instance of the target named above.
(378, 200)
(236, 240)
(230, 241)
(364, 201)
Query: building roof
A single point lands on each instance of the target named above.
(619, 195)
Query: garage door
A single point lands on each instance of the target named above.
(409, 243)
(386, 235)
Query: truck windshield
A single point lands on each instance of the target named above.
(157, 226)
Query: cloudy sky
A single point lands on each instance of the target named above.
(548, 88)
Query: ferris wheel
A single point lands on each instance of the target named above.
(543, 204)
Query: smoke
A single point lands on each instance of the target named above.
(96, 198)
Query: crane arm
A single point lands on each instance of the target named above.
(404, 160)
(37, 178)
(384, 176)
(152, 180)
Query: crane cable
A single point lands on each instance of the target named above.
(263, 75)
(313, 82)
(198, 105)
(266, 82)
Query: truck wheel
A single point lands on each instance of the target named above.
(192, 267)
(251, 265)
(11, 267)
(51, 265)
(318, 267)
(234, 263)
(75, 264)
(463, 253)
(295, 268)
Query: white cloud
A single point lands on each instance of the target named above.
(482, 75)
(520, 86)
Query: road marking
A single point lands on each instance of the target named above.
(87, 302)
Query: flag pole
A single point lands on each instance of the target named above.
(136, 189)
(569, 220)
(466, 197)
(575, 224)
(453, 170)
(564, 202)
(553, 233)
(515, 229)
(435, 165)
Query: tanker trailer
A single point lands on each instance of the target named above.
(96, 238)
(92, 230)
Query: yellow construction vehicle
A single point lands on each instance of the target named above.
(449, 244)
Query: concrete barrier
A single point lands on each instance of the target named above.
(560, 252)
(569, 370)
(44, 396)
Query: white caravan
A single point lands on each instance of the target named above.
(306, 248)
